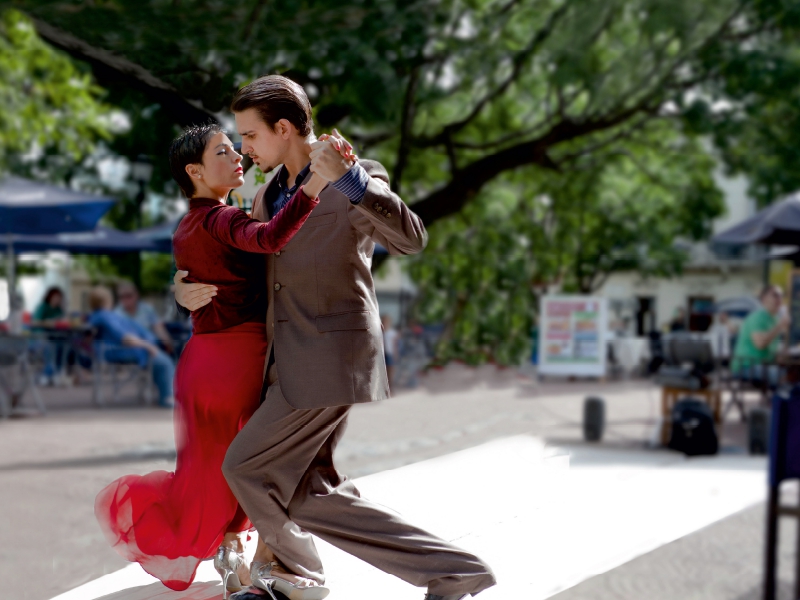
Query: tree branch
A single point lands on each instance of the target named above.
(453, 196)
(111, 70)
(406, 126)
(255, 15)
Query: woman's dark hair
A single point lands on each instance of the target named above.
(187, 149)
(276, 97)
(52, 292)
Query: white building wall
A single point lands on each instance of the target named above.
(739, 205)
(671, 294)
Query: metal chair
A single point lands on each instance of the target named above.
(112, 365)
(14, 355)
(784, 464)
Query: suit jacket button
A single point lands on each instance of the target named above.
(278, 253)
(388, 215)
(376, 206)
(277, 286)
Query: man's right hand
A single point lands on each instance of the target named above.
(192, 295)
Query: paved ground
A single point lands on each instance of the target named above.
(51, 468)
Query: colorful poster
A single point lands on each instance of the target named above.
(572, 336)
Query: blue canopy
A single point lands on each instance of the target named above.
(159, 235)
(33, 208)
(102, 240)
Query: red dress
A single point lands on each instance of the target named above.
(169, 522)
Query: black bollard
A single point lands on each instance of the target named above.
(594, 418)
(758, 430)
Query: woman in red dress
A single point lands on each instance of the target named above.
(169, 522)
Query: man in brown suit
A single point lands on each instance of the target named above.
(326, 354)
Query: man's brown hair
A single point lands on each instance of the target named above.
(276, 97)
(100, 297)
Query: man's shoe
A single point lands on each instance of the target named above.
(450, 597)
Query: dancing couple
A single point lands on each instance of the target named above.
(259, 410)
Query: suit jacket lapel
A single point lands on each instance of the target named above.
(260, 208)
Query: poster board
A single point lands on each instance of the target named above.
(572, 335)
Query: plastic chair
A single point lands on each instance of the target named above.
(784, 464)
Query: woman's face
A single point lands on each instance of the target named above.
(220, 171)
(55, 300)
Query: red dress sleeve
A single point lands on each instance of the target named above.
(232, 227)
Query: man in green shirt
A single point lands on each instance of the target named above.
(757, 343)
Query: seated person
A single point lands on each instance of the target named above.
(132, 306)
(53, 351)
(50, 308)
(757, 343)
(135, 342)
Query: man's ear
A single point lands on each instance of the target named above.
(285, 129)
(194, 171)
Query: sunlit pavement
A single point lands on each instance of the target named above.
(485, 465)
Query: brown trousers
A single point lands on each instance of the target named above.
(280, 467)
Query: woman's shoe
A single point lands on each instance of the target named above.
(227, 562)
(267, 577)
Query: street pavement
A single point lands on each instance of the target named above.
(51, 467)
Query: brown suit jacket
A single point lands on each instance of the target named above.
(322, 319)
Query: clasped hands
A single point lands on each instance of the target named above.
(331, 156)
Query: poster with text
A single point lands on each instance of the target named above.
(572, 336)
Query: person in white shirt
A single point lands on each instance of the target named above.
(391, 344)
(720, 334)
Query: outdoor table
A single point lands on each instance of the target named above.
(66, 335)
(670, 396)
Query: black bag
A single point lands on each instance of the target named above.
(693, 428)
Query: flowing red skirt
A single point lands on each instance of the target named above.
(169, 522)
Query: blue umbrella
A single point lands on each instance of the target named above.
(159, 235)
(102, 240)
(32, 208)
(776, 224)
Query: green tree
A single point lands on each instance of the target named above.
(449, 94)
(751, 107)
(46, 101)
(533, 231)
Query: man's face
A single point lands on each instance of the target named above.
(128, 297)
(772, 301)
(266, 147)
